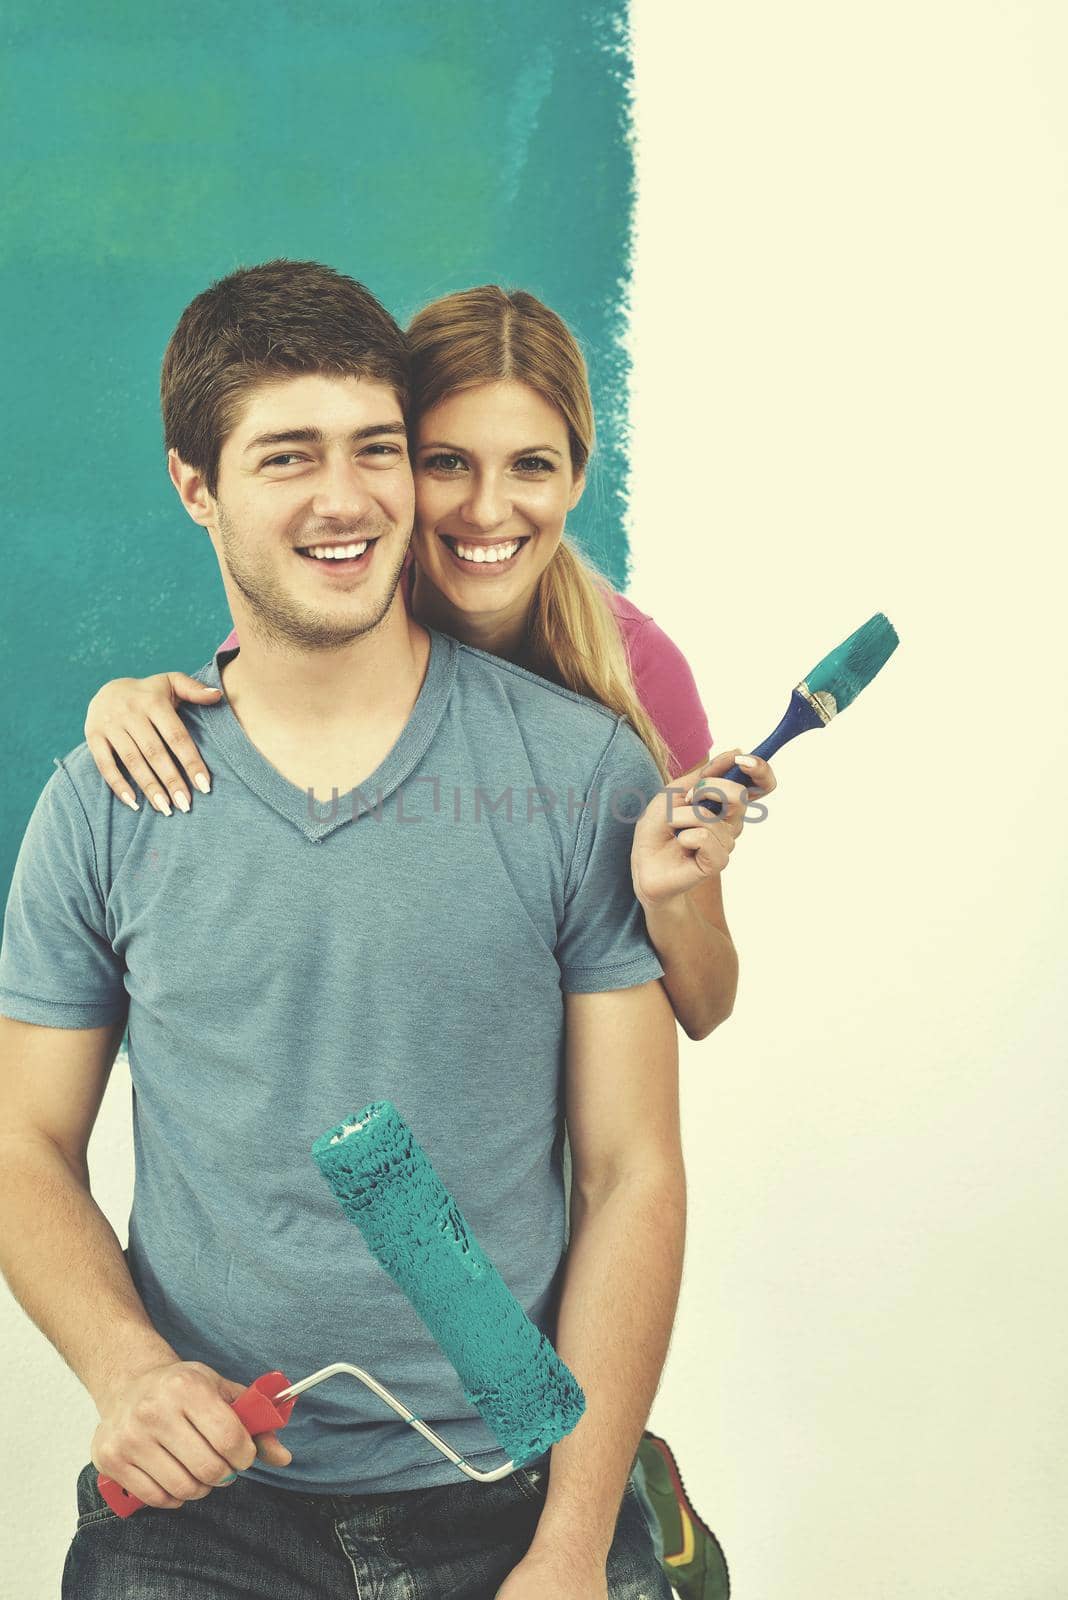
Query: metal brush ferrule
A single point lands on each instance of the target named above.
(822, 702)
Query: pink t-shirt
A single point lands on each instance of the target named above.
(662, 680)
(664, 685)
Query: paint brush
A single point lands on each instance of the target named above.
(825, 691)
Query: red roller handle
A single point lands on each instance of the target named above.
(254, 1406)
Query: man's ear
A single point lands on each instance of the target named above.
(577, 488)
(192, 490)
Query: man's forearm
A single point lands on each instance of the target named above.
(65, 1266)
(620, 1289)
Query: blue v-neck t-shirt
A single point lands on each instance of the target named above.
(283, 963)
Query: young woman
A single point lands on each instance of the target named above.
(502, 430)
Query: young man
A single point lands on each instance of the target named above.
(280, 964)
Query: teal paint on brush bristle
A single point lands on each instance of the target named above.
(509, 1370)
(814, 703)
(853, 664)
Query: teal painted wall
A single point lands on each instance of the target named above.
(149, 150)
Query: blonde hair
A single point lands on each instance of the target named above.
(485, 335)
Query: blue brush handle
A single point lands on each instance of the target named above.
(801, 715)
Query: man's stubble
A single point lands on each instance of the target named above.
(277, 616)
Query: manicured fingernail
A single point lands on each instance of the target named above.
(230, 1479)
(181, 802)
(160, 803)
(202, 782)
(128, 800)
(746, 761)
(687, 797)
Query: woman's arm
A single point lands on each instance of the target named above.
(677, 861)
(136, 721)
(694, 946)
(678, 857)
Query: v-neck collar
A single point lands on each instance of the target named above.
(318, 819)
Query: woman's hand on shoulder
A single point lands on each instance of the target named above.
(135, 721)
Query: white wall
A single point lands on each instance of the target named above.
(851, 352)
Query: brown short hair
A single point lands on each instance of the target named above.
(261, 323)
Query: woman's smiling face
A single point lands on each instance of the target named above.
(493, 485)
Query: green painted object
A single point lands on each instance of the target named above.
(693, 1559)
(150, 149)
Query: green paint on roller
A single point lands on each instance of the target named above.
(509, 1370)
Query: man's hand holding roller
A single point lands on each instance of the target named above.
(168, 1435)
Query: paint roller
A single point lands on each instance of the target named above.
(509, 1370)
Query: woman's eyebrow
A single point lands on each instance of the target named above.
(527, 450)
(315, 435)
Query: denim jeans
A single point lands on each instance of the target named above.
(638, 1480)
(248, 1541)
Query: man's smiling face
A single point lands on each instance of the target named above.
(316, 468)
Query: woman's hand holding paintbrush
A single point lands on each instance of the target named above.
(677, 844)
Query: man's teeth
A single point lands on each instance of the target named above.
(481, 552)
(337, 552)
